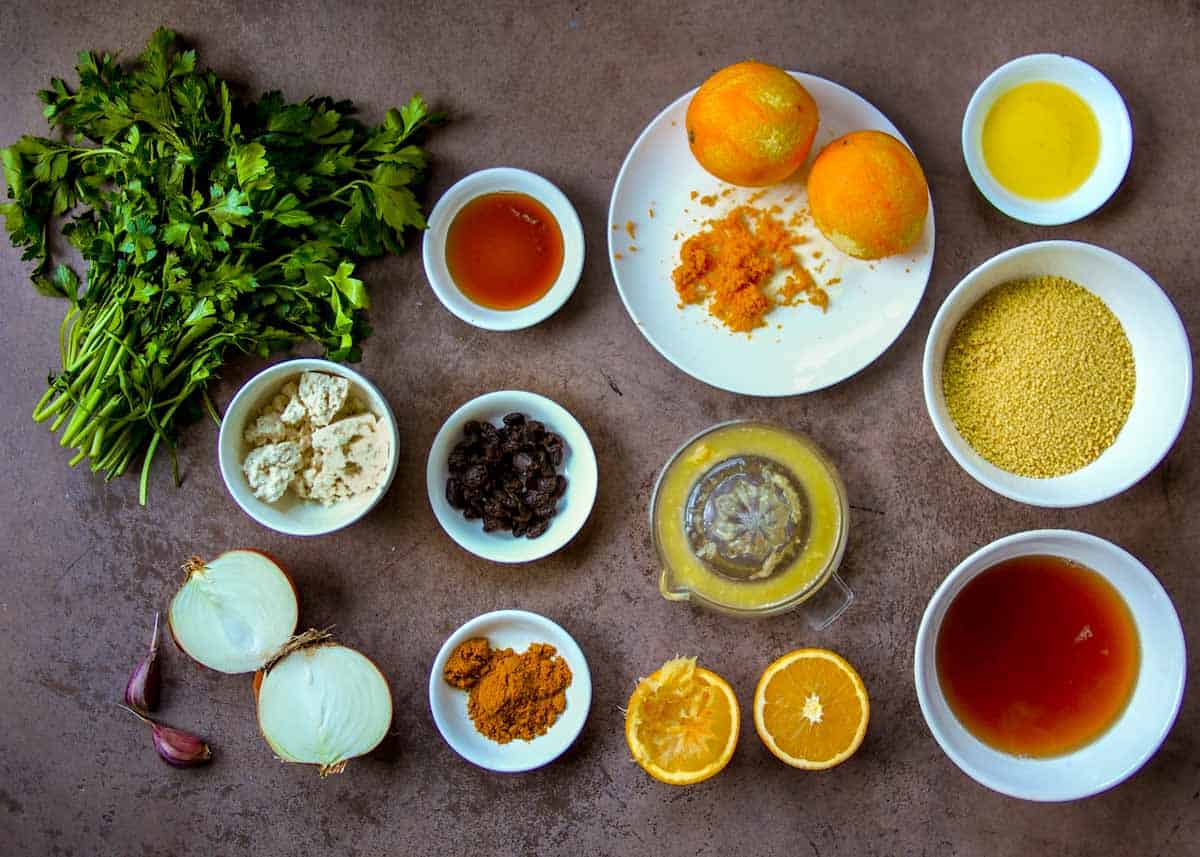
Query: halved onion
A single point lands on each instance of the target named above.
(322, 704)
(234, 612)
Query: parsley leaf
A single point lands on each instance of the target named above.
(209, 225)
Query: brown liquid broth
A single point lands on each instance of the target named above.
(1038, 656)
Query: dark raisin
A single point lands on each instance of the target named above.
(475, 477)
(548, 485)
(514, 419)
(490, 525)
(560, 486)
(546, 508)
(454, 493)
(536, 529)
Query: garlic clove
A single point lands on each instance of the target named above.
(178, 748)
(142, 689)
(232, 613)
(174, 746)
(323, 705)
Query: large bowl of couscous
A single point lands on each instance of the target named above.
(1057, 374)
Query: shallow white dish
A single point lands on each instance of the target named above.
(579, 468)
(510, 629)
(1161, 354)
(290, 514)
(501, 180)
(868, 309)
(1116, 137)
(1141, 728)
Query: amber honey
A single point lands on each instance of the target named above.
(1037, 656)
(504, 250)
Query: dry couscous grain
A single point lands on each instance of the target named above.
(1039, 376)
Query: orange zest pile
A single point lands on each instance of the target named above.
(730, 264)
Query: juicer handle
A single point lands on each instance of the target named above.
(829, 602)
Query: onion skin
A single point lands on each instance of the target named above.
(188, 571)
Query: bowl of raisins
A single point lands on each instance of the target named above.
(511, 476)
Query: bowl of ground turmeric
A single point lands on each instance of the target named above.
(1057, 374)
(510, 691)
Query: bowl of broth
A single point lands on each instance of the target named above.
(1050, 665)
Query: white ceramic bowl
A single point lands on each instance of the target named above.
(1116, 137)
(1161, 354)
(510, 629)
(1141, 728)
(502, 180)
(579, 468)
(290, 514)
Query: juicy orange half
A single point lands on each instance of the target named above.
(811, 709)
(682, 723)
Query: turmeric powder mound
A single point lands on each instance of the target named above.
(511, 695)
(729, 266)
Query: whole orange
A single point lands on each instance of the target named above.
(868, 195)
(751, 124)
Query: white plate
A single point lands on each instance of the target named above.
(579, 468)
(1139, 731)
(868, 309)
(1116, 137)
(510, 629)
(1161, 357)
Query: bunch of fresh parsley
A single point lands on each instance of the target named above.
(207, 223)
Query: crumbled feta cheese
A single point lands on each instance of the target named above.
(324, 461)
(323, 396)
(266, 429)
(270, 469)
(337, 435)
(294, 411)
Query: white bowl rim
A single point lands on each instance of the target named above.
(1056, 212)
(977, 563)
(499, 180)
(544, 545)
(231, 470)
(581, 677)
(943, 424)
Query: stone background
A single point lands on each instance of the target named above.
(564, 90)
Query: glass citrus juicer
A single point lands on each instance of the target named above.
(750, 519)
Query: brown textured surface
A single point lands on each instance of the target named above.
(564, 90)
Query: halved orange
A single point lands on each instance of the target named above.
(682, 723)
(811, 709)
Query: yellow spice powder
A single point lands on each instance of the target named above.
(1039, 376)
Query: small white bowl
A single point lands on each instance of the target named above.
(510, 629)
(502, 180)
(579, 468)
(1116, 137)
(290, 514)
(1139, 731)
(1161, 355)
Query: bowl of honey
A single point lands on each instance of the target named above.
(503, 249)
(1047, 139)
(1050, 665)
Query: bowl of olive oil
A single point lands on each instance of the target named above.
(1047, 139)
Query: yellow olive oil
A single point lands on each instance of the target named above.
(1041, 140)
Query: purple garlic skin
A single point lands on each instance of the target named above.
(178, 748)
(142, 689)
